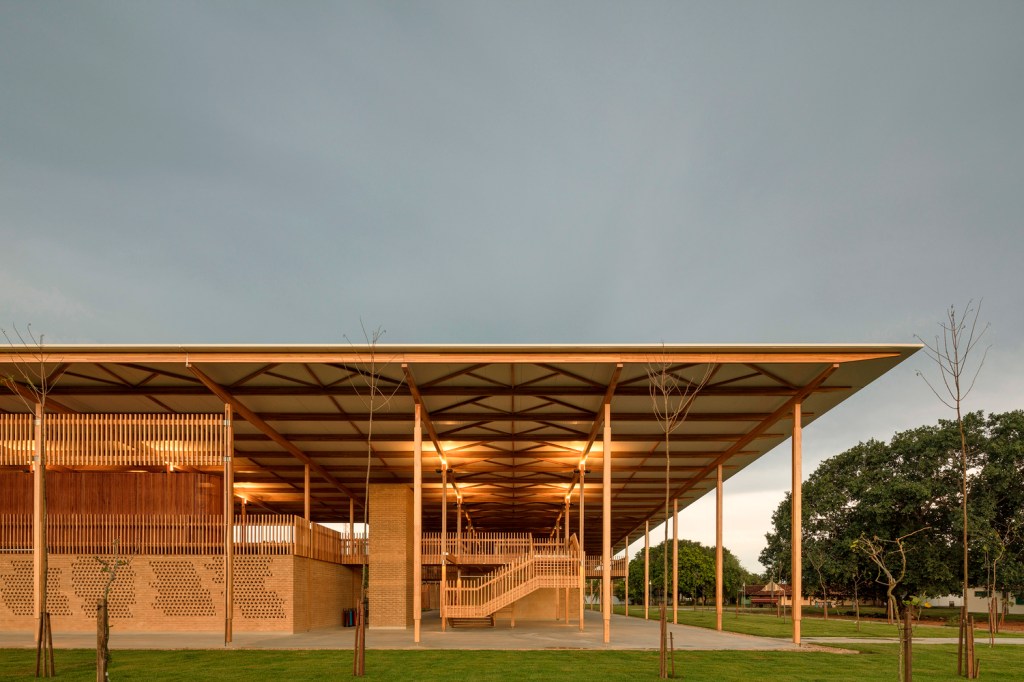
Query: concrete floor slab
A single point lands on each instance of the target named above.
(626, 633)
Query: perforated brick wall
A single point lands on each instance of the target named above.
(391, 559)
(166, 593)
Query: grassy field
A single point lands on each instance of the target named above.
(769, 625)
(871, 662)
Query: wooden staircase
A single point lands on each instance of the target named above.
(485, 622)
(543, 566)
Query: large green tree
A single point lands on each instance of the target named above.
(888, 490)
(696, 573)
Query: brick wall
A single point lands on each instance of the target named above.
(322, 590)
(167, 593)
(390, 581)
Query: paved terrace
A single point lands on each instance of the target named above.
(627, 633)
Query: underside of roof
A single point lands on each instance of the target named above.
(514, 425)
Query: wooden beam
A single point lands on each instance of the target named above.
(110, 388)
(32, 397)
(251, 417)
(525, 355)
(425, 418)
(757, 431)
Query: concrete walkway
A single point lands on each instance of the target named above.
(825, 641)
(627, 633)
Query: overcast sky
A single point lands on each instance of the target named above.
(524, 172)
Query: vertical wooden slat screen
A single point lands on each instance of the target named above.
(16, 438)
(122, 439)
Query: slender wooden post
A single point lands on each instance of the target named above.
(352, 522)
(566, 521)
(718, 549)
(229, 524)
(458, 552)
(675, 561)
(39, 559)
(305, 497)
(583, 553)
(444, 545)
(417, 524)
(626, 585)
(647, 570)
(796, 520)
(606, 525)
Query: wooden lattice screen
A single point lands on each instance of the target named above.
(117, 439)
(17, 439)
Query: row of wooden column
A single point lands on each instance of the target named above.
(40, 555)
(606, 578)
(795, 539)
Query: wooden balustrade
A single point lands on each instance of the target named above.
(595, 567)
(547, 564)
(15, 532)
(182, 534)
(319, 542)
(17, 439)
(117, 439)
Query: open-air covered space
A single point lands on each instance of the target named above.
(494, 479)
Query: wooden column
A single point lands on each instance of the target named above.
(796, 521)
(38, 517)
(606, 525)
(444, 545)
(583, 553)
(626, 586)
(566, 521)
(675, 561)
(458, 526)
(309, 528)
(457, 551)
(352, 519)
(229, 524)
(718, 548)
(647, 570)
(417, 525)
(305, 496)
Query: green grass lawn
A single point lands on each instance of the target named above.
(769, 625)
(873, 662)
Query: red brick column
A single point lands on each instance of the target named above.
(390, 581)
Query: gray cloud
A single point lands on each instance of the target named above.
(491, 172)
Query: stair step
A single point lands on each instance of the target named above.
(484, 622)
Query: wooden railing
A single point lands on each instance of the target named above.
(478, 548)
(117, 439)
(15, 532)
(482, 596)
(595, 569)
(319, 542)
(17, 439)
(180, 534)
